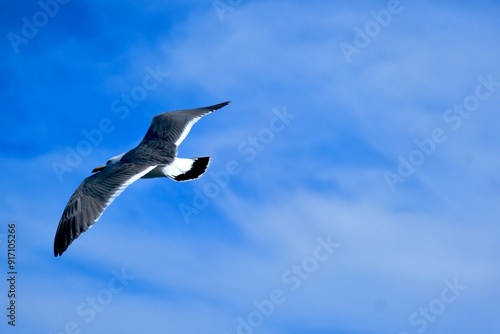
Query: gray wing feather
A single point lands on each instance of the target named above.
(175, 125)
(91, 198)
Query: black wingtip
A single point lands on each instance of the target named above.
(59, 245)
(218, 106)
(57, 251)
(64, 237)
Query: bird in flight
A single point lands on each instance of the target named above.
(155, 156)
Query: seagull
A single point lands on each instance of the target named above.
(155, 156)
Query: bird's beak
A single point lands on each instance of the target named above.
(98, 169)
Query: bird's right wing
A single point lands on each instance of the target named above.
(91, 198)
(174, 126)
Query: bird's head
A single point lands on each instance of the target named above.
(110, 162)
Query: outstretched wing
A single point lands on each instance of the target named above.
(174, 126)
(91, 198)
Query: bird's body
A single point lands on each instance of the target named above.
(155, 156)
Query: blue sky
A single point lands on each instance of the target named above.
(354, 183)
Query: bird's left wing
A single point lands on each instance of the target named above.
(91, 198)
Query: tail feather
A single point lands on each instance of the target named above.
(184, 169)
